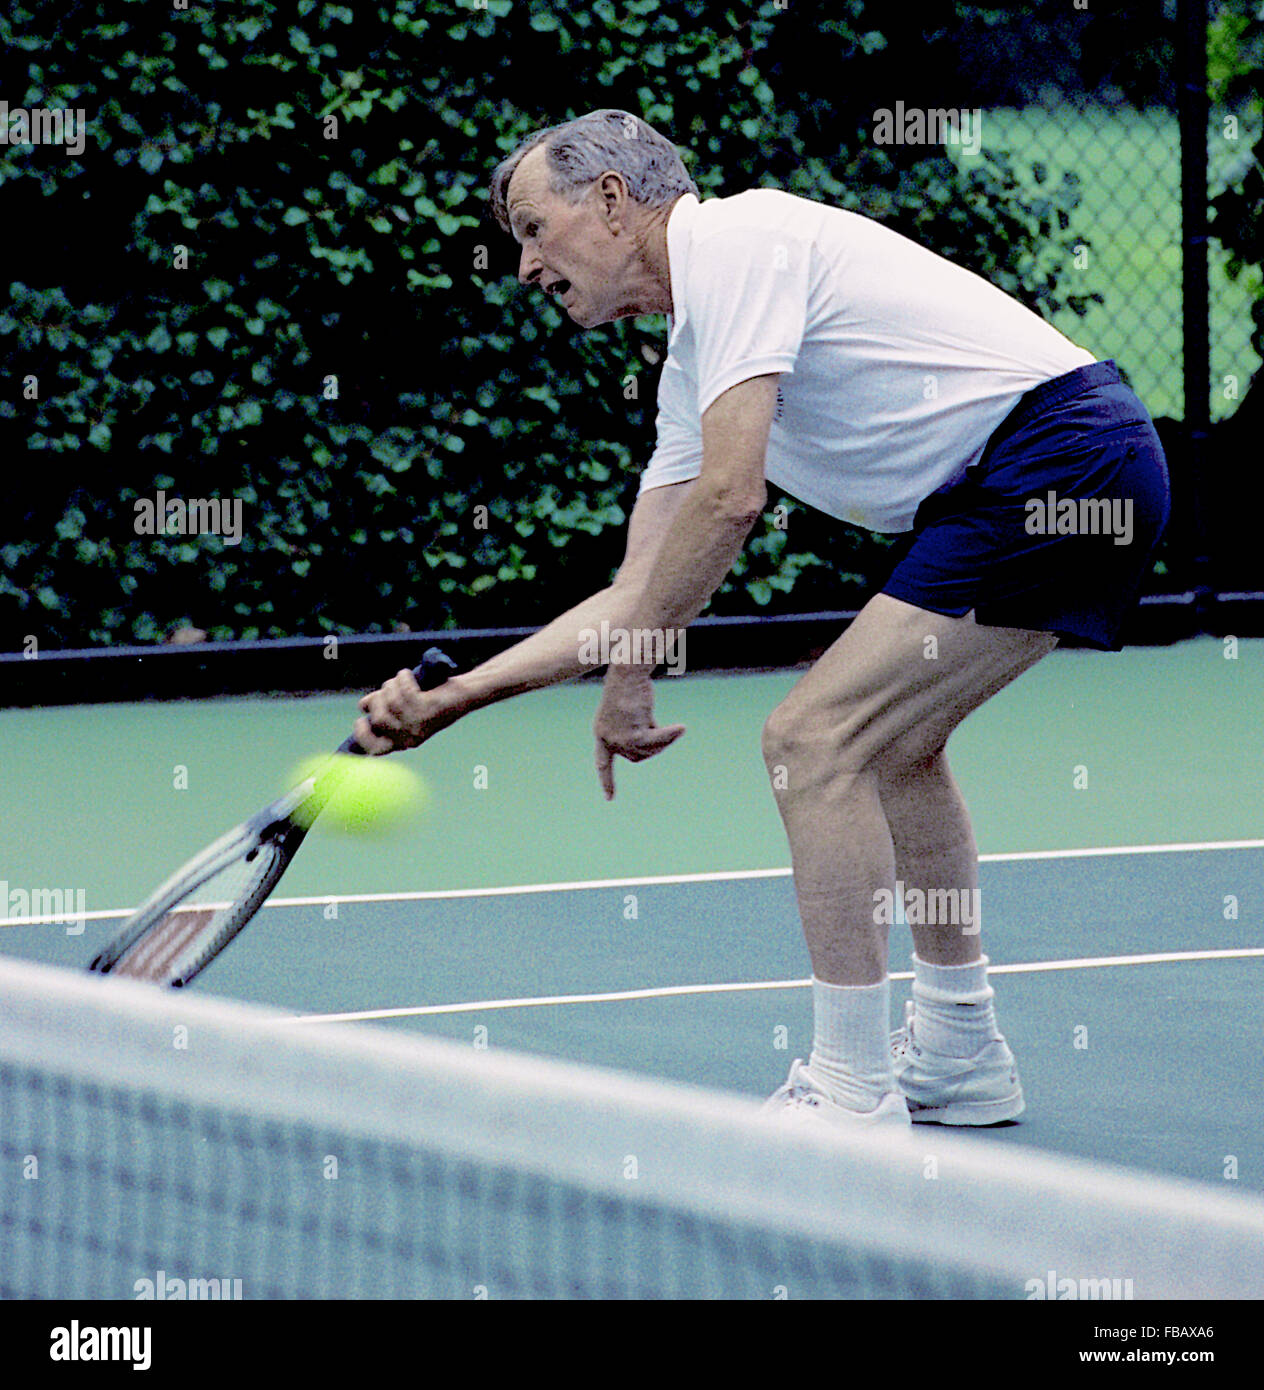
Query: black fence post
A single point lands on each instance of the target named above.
(1194, 111)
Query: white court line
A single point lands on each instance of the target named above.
(653, 881)
(676, 991)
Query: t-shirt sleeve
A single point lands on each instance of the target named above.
(746, 299)
(677, 455)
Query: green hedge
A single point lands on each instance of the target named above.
(346, 350)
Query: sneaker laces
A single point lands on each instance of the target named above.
(799, 1088)
(902, 1039)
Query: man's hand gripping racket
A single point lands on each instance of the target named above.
(169, 939)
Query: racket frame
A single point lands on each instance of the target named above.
(282, 826)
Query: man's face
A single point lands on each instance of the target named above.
(572, 251)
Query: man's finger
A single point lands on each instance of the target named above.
(368, 740)
(403, 685)
(658, 738)
(398, 696)
(646, 743)
(605, 769)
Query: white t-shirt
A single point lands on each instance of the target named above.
(897, 363)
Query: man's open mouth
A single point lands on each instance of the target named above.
(558, 288)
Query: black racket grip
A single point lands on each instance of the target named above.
(435, 668)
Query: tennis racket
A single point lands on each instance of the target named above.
(182, 926)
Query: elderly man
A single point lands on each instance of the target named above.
(888, 387)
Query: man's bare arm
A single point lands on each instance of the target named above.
(704, 540)
(682, 542)
(551, 655)
(710, 528)
(547, 657)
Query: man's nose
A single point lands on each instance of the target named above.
(529, 266)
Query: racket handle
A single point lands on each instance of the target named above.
(435, 668)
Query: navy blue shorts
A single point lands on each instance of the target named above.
(1055, 526)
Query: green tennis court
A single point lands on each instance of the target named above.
(1118, 808)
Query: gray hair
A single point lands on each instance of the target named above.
(578, 152)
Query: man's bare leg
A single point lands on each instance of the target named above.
(934, 850)
(854, 752)
(856, 755)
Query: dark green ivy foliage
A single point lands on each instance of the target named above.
(275, 198)
(1235, 61)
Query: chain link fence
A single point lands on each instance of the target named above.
(1106, 119)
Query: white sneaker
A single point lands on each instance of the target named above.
(802, 1101)
(979, 1090)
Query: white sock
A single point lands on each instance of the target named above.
(953, 1010)
(851, 1050)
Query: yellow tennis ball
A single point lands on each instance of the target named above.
(369, 795)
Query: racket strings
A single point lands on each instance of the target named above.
(197, 921)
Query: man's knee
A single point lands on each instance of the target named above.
(787, 734)
(775, 741)
(801, 746)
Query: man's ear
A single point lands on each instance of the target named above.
(613, 192)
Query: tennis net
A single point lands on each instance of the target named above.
(156, 1143)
